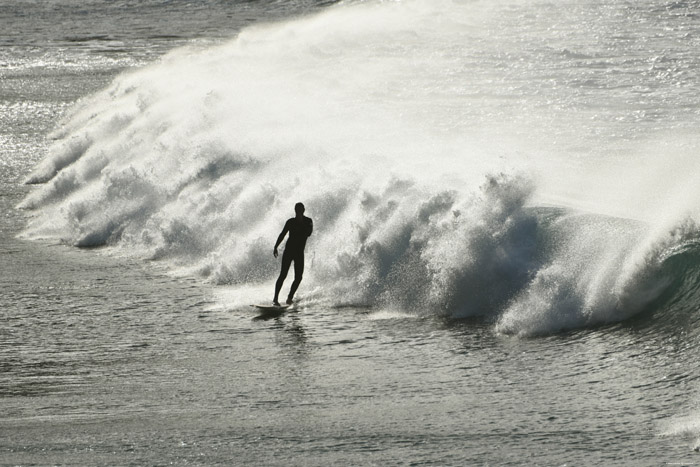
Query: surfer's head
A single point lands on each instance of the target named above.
(299, 208)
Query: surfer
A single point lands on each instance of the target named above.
(299, 229)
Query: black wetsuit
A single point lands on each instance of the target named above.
(299, 230)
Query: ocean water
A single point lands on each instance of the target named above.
(505, 266)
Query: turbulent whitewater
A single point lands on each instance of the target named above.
(455, 159)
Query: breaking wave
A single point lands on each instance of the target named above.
(386, 121)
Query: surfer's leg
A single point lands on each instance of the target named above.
(286, 262)
(298, 274)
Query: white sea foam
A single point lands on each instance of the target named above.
(419, 144)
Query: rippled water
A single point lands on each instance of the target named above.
(107, 361)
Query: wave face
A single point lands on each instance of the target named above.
(457, 158)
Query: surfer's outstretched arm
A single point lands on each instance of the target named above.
(280, 238)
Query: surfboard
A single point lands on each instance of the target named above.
(270, 311)
(272, 308)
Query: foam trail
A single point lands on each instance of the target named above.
(422, 164)
(687, 427)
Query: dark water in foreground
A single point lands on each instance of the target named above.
(108, 361)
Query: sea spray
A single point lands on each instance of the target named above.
(430, 152)
(604, 270)
(445, 252)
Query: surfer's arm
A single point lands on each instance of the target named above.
(280, 238)
(309, 227)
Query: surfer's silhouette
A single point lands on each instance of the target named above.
(299, 229)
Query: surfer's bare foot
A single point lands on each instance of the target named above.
(289, 301)
(275, 303)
